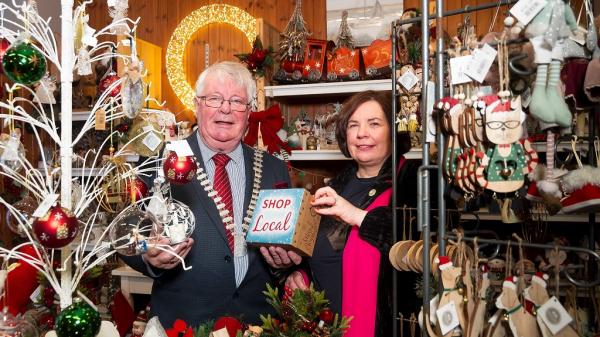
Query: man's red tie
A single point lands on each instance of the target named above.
(222, 186)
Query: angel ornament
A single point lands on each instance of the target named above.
(132, 91)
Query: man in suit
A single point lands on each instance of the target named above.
(227, 278)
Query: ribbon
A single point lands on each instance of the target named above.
(269, 121)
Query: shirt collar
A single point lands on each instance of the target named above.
(236, 155)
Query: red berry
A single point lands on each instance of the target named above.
(326, 316)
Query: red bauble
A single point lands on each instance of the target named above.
(136, 189)
(106, 81)
(231, 324)
(180, 170)
(55, 229)
(4, 44)
(259, 55)
(326, 316)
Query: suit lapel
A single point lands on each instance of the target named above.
(205, 201)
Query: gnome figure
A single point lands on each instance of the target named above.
(522, 323)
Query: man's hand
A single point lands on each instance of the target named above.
(167, 260)
(278, 257)
(296, 281)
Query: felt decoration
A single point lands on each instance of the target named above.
(122, 313)
(267, 123)
(20, 283)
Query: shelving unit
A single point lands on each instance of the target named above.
(329, 88)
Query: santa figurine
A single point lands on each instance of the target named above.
(139, 325)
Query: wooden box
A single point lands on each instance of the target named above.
(284, 218)
(343, 64)
(378, 59)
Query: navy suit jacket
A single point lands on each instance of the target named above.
(208, 290)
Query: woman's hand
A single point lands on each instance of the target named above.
(327, 202)
(296, 281)
(167, 260)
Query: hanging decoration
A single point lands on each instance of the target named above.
(263, 127)
(79, 319)
(136, 189)
(179, 170)
(106, 81)
(132, 89)
(25, 208)
(203, 16)
(23, 63)
(146, 138)
(133, 230)
(83, 36)
(259, 60)
(178, 223)
(57, 228)
(4, 45)
(118, 11)
(44, 90)
(294, 37)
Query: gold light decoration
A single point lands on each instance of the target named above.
(217, 13)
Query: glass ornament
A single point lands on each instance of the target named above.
(23, 63)
(15, 326)
(78, 320)
(57, 228)
(11, 150)
(25, 207)
(133, 231)
(179, 222)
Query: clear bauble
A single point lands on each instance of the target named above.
(178, 223)
(133, 231)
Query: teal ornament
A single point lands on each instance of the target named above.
(78, 320)
(23, 63)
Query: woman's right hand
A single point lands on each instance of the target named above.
(295, 281)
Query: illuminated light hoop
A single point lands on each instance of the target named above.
(218, 13)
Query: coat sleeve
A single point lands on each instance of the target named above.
(376, 228)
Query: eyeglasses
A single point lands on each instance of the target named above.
(235, 103)
(495, 125)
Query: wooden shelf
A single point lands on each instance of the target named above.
(317, 155)
(315, 89)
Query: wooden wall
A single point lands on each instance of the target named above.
(160, 17)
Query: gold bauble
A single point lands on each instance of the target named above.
(146, 138)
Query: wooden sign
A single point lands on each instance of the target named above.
(284, 218)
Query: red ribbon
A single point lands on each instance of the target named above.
(270, 122)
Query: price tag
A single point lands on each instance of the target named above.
(579, 35)
(45, 205)
(181, 147)
(526, 10)
(458, 66)
(447, 317)
(220, 333)
(554, 315)
(126, 42)
(481, 62)
(100, 120)
(408, 80)
(35, 294)
(152, 141)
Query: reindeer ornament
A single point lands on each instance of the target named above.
(522, 323)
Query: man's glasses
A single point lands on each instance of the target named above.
(236, 104)
(495, 125)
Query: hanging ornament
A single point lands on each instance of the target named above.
(106, 81)
(23, 63)
(44, 90)
(293, 38)
(25, 208)
(78, 320)
(57, 228)
(12, 150)
(132, 231)
(4, 45)
(11, 326)
(178, 223)
(149, 138)
(136, 189)
(179, 170)
(132, 90)
(158, 203)
(115, 195)
(326, 315)
(118, 11)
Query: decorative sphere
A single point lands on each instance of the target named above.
(57, 228)
(326, 316)
(179, 170)
(25, 207)
(136, 189)
(23, 63)
(509, 21)
(179, 222)
(106, 82)
(133, 230)
(4, 44)
(15, 326)
(78, 320)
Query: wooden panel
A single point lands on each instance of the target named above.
(152, 56)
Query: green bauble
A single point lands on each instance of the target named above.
(24, 64)
(78, 320)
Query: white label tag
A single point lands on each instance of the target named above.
(152, 141)
(485, 90)
(433, 307)
(220, 333)
(482, 61)
(447, 317)
(182, 148)
(554, 315)
(35, 294)
(126, 42)
(458, 66)
(43, 208)
(111, 3)
(408, 80)
(525, 10)
(579, 35)
(431, 127)
(526, 97)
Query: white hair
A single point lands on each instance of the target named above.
(234, 71)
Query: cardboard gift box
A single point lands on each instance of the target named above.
(284, 218)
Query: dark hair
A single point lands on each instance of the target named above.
(384, 99)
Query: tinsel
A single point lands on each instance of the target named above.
(293, 38)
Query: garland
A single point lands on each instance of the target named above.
(239, 238)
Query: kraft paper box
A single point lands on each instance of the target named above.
(284, 218)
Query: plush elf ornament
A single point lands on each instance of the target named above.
(547, 32)
(505, 164)
(522, 323)
(538, 294)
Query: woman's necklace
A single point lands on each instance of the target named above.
(239, 237)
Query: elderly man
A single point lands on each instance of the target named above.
(227, 276)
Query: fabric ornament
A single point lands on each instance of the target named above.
(270, 122)
(540, 278)
(444, 262)
(510, 282)
(582, 190)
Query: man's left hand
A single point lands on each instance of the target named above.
(278, 257)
